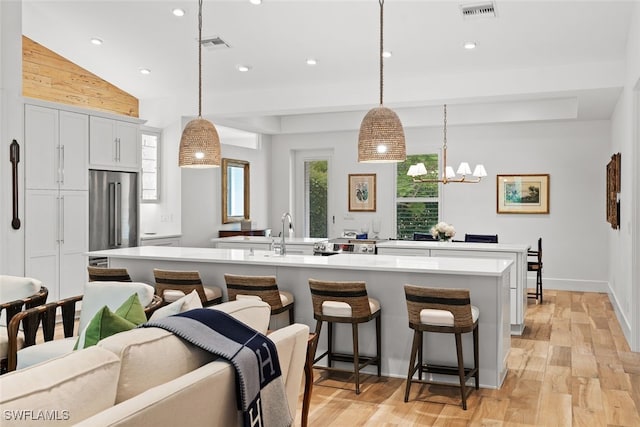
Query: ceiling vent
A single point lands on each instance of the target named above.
(215, 43)
(478, 10)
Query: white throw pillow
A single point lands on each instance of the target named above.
(186, 303)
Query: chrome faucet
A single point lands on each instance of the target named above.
(283, 247)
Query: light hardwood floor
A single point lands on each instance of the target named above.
(571, 367)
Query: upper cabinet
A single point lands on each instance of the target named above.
(56, 144)
(114, 144)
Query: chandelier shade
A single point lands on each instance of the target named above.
(200, 143)
(418, 172)
(381, 137)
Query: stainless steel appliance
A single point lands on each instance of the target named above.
(345, 245)
(113, 211)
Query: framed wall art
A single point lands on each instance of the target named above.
(613, 189)
(362, 192)
(523, 194)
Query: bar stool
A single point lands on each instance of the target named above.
(264, 288)
(103, 274)
(345, 302)
(536, 265)
(172, 285)
(441, 311)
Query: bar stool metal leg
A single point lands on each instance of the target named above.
(356, 356)
(476, 357)
(463, 391)
(379, 344)
(417, 339)
(330, 344)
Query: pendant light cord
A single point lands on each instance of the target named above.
(381, 48)
(200, 59)
(445, 128)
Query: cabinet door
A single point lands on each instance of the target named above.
(41, 156)
(41, 238)
(74, 146)
(102, 142)
(74, 242)
(128, 144)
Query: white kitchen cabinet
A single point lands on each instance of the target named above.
(113, 144)
(56, 238)
(56, 147)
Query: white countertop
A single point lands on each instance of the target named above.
(462, 246)
(263, 239)
(439, 265)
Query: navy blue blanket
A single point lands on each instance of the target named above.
(262, 397)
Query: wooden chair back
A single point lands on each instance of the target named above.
(353, 293)
(184, 281)
(264, 287)
(103, 274)
(455, 301)
(537, 254)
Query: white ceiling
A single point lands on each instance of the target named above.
(542, 60)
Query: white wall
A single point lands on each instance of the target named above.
(201, 195)
(625, 137)
(573, 153)
(11, 119)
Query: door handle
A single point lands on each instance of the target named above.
(62, 164)
(118, 213)
(62, 219)
(112, 228)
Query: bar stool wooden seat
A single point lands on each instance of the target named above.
(264, 288)
(441, 311)
(172, 285)
(345, 302)
(104, 274)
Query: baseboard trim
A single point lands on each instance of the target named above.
(570, 284)
(625, 324)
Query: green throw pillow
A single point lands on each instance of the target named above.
(106, 323)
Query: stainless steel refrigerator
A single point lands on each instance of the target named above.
(113, 210)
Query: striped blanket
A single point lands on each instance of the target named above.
(262, 398)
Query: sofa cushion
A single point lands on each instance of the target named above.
(14, 288)
(186, 303)
(38, 353)
(111, 294)
(153, 356)
(73, 387)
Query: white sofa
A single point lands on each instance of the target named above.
(146, 377)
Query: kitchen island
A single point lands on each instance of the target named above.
(487, 279)
(295, 245)
(514, 252)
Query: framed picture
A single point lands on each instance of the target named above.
(613, 189)
(523, 194)
(362, 192)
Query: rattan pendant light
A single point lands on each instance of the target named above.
(381, 138)
(200, 143)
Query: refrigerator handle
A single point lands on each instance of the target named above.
(112, 228)
(118, 213)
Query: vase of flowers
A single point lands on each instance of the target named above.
(443, 231)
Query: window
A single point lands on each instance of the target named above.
(316, 195)
(150, 166)
(417, 204)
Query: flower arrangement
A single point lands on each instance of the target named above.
(443, 231)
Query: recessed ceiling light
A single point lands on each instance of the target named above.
(312, 61)
(469, 45)
(178, 12)
(145, 71)
(96, 41)
(255, 2)
(386, 54)
(244, 68)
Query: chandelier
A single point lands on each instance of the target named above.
(381, 137)
(418, 171)
(200, 143)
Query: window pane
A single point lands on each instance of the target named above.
(315, 193)
(417, 203)
(150, 175)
